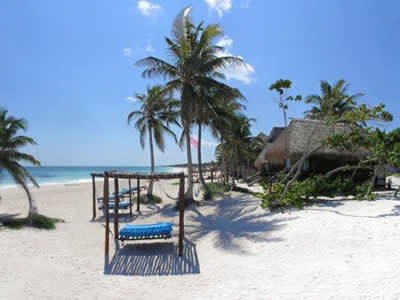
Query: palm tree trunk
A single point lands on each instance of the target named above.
(150, 189)
(201, 178)
(233, 173)
(189, 191)
(33, 211)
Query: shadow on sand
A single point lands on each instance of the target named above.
(158, 258)
(235, 217)
(380, 197)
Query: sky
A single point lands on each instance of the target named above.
(68, 66)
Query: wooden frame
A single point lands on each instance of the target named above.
(138, 176)
(94, 198)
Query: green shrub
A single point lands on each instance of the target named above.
(362, 193)
(215, 189)
(154, 199)
(305, 191)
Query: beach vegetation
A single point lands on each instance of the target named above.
(11, 156)
(333, 102)
(157, 111)
(37, 221)
(153, 198)
(215, 189)
(280, 86)
(380, 148)
(195, 65)
(238, 149)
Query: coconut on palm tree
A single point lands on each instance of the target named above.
(196, 61)
(11, 155)
(333, 101)
(156, 112)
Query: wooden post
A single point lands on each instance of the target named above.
(130, 197)
(116, 207)
(212, 175)
(138, 195)
(94, 196)
(181, 205)
(105, 206)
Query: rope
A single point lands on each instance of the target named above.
(170, 197)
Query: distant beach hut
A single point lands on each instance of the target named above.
(287, 145)
(269, 140)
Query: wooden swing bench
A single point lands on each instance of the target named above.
(132, 232)
(135, 232)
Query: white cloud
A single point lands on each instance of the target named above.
(226, 42)
(149, 47)
(245, 3)
(127, 52)
(242, 73)
(148, 9)
(131, 99)
(221, 6)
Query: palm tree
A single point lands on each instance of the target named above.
(154, 116)
(213, 111)
(238, 145)
(333, 101)
(11, 157)
(195, 63)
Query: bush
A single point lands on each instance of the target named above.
(38, 221)
(215, 189)
(144, 199)
(305, 191)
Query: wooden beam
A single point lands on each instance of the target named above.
(130, 197)
(116, 207)
(181, 205)
(105, 206)
(94, 197)
(144, 176)
(138, 195)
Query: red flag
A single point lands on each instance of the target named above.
(193, 142)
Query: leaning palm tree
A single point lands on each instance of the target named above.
(195, 62)
(333, 101)
(11, 156)
(156, 112)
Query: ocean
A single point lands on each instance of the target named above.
(65, 175)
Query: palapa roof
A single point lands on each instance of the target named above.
(275, 132)
(263, 136)
(302, 136)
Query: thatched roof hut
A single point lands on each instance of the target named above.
(302, 136)
(269, 139)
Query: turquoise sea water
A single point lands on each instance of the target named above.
(54, 175)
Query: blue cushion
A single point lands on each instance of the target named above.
(122, 205)
(138, 231)
(122, 192)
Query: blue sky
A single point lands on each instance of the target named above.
(67, 66)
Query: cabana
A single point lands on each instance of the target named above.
(302, 136)
(132, 232)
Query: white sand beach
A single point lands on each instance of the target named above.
(233, 250)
